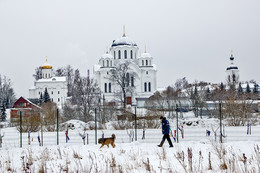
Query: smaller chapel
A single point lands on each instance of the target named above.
(56, 86)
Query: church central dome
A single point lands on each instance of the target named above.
(124, 40)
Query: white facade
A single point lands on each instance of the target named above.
(56, 86)
(122, 50)
(232, 72)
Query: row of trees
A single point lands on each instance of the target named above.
(204, 98)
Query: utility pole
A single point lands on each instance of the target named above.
(135, 126)
(96, 126)
(177, 124)
(220, 122)
(57, 126)
(21, 131)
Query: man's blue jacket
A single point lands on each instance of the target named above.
(165, 126)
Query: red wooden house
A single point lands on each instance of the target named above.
(25, 107)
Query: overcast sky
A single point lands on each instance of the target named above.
(189, 39)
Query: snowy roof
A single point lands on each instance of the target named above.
(54, 79)
(124, 40)
(106, 55)
(146, 55)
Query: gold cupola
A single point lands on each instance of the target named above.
(46, 65)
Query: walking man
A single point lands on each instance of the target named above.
(165, 131)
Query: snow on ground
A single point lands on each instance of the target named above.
(136, 156)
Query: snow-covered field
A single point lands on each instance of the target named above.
(137, 156)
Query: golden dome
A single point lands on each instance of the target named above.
(46, 65)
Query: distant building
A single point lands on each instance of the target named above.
(232, 72)
(144, 82)
(56, 86)
(25, 107)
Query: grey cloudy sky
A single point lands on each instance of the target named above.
(189, 39)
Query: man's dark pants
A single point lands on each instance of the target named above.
(166, 136)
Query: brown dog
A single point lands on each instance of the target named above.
(107, 141)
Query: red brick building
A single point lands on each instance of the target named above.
(26, 107)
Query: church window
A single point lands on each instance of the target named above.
(146, 62)
(132, 81)
(114, 54)
(228, 78)
(52, 92)
(146, 72)
(109, 87)
(46, 75)
(103, 63)
(119, 54)
(142, 62)
(131, 54)
(125, 54)
(105, 87)
(234, 78)
(107, 63)
(150, 62)
(145, 87)
(58, 92)
(110, 63)
(58, 99)
(39, 93)
(49, 75)
(149, 86)
(52, 99)
(127, 79)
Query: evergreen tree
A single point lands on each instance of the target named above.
(240, 89)
(248, 90)
(46, 96)
(221, 86)
(3, 113)
(255, 89)
(41, 99)
(208, 94)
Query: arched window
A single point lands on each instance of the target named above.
(119, 54)
(149, 86)
(146, 62)
(127, 79)
(105, 87)
(110, 63)
(109, 87)
(103, 63)
(132, 81)
(125, 52)
(46, 75)
(145, 87)
(58, 99)
(49, 75)
(142, 62)
(131, 54)
(107, 63)
(150, 62)
(114, 54)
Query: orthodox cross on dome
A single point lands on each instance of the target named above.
(124, 31)
(145, 49)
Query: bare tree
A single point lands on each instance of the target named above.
(7, 96)
(121, 76)
(38, 73)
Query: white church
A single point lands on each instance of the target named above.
(56, 86)
(144, 82)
